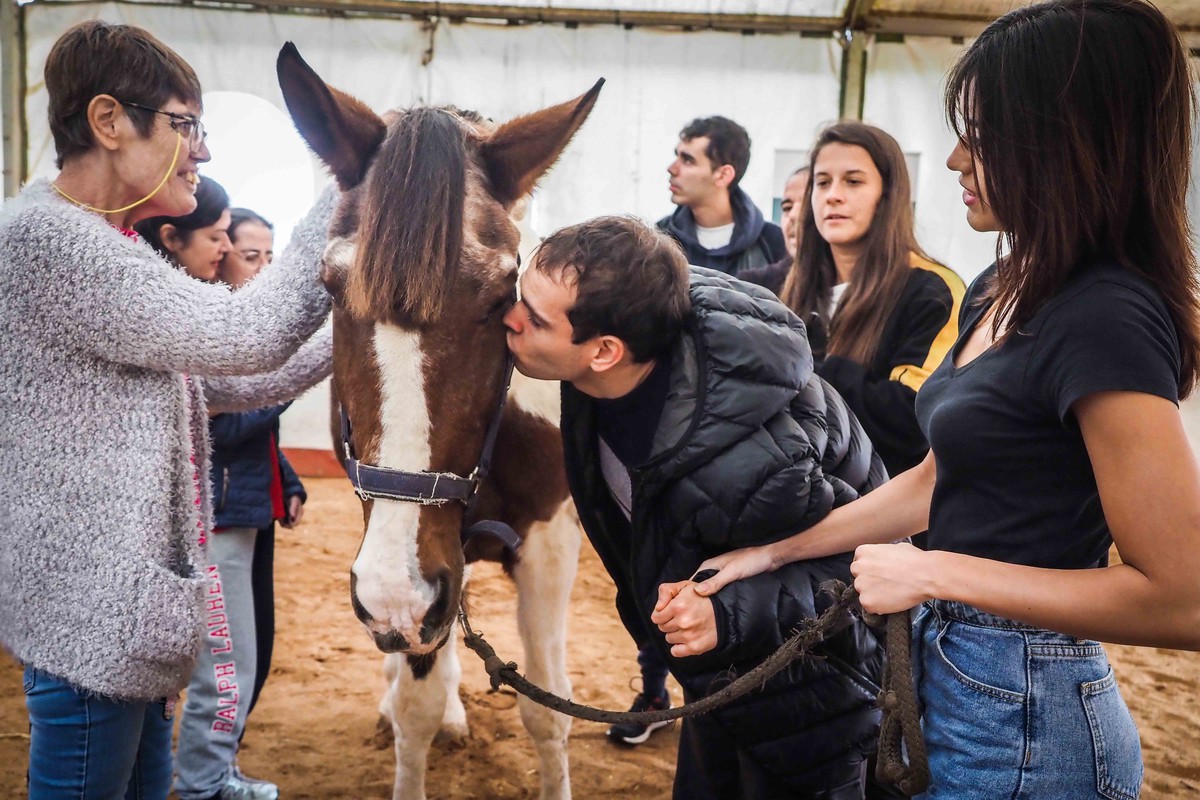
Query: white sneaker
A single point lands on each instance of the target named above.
(239, 787)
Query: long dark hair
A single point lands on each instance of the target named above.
(211, 202)
(883, 266)
(1080, 113)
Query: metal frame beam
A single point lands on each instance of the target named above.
(517, 14)
(12, 94)
(854, 38)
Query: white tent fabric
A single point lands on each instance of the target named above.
(904, 97)
(782, 88)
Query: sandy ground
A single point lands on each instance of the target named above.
(313, 731)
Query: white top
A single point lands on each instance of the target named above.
(838, 291)
(712, 238)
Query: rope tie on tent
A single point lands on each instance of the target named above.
(901, 721)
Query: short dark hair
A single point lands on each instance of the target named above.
(631, 281)
(728, 142)
(240, 216)
(125, 62)
(211, 202)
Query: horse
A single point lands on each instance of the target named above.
(421, 263)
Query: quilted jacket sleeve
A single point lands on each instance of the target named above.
(230, 430)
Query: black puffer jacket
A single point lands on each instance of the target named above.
(751, 447)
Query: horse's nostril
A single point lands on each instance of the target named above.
(390, 642)
(435, 617)
(360, 610)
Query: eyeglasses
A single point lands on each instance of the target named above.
(187, 126)
(255, 256)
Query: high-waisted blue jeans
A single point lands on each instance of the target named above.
(86, 747)
(1014, 712)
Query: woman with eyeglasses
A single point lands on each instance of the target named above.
(252, 239)
(110, 358)
(252, 485)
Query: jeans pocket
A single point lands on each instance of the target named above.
(971, 652)
(28, 678)
(1115, 740)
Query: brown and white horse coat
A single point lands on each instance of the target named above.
(422, 261)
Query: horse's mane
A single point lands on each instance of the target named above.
(411, 223)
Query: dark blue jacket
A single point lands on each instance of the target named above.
(755, 242)
(241, 468)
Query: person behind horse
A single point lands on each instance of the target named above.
(196, 242)
(109, 356)
(717, 224)
(1053, 424)
(692, 423)
(252, 239)
(880, 313)
(791, 206)
(252, 485)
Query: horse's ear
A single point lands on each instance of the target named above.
(340, 129)
(521, 151)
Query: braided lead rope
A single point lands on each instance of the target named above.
(900, 727)
(900, 722)
(810, 633)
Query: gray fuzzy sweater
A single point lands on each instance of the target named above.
(107, 354)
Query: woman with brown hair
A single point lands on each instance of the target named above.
(1053, 425)
(878, 309)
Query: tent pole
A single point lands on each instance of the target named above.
(12, 96)
(854, 75)
(853, 38)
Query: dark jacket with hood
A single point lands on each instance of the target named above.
(755, 242)
(751, 447)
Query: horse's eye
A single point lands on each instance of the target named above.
(501, 306)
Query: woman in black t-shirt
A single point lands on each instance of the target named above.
(1053, 424)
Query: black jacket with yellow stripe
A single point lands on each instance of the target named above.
(919, 332)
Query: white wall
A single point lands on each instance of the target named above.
(904, 97)
(777, 86)
(782, 88)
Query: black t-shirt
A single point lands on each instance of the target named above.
(1014, 482)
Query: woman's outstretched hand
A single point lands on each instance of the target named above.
(733, 566)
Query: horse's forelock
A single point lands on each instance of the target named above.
(411, 223)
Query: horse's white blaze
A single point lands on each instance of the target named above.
(540, 398)
(388, 576)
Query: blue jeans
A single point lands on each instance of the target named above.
(87, 747)
(1018, 712)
